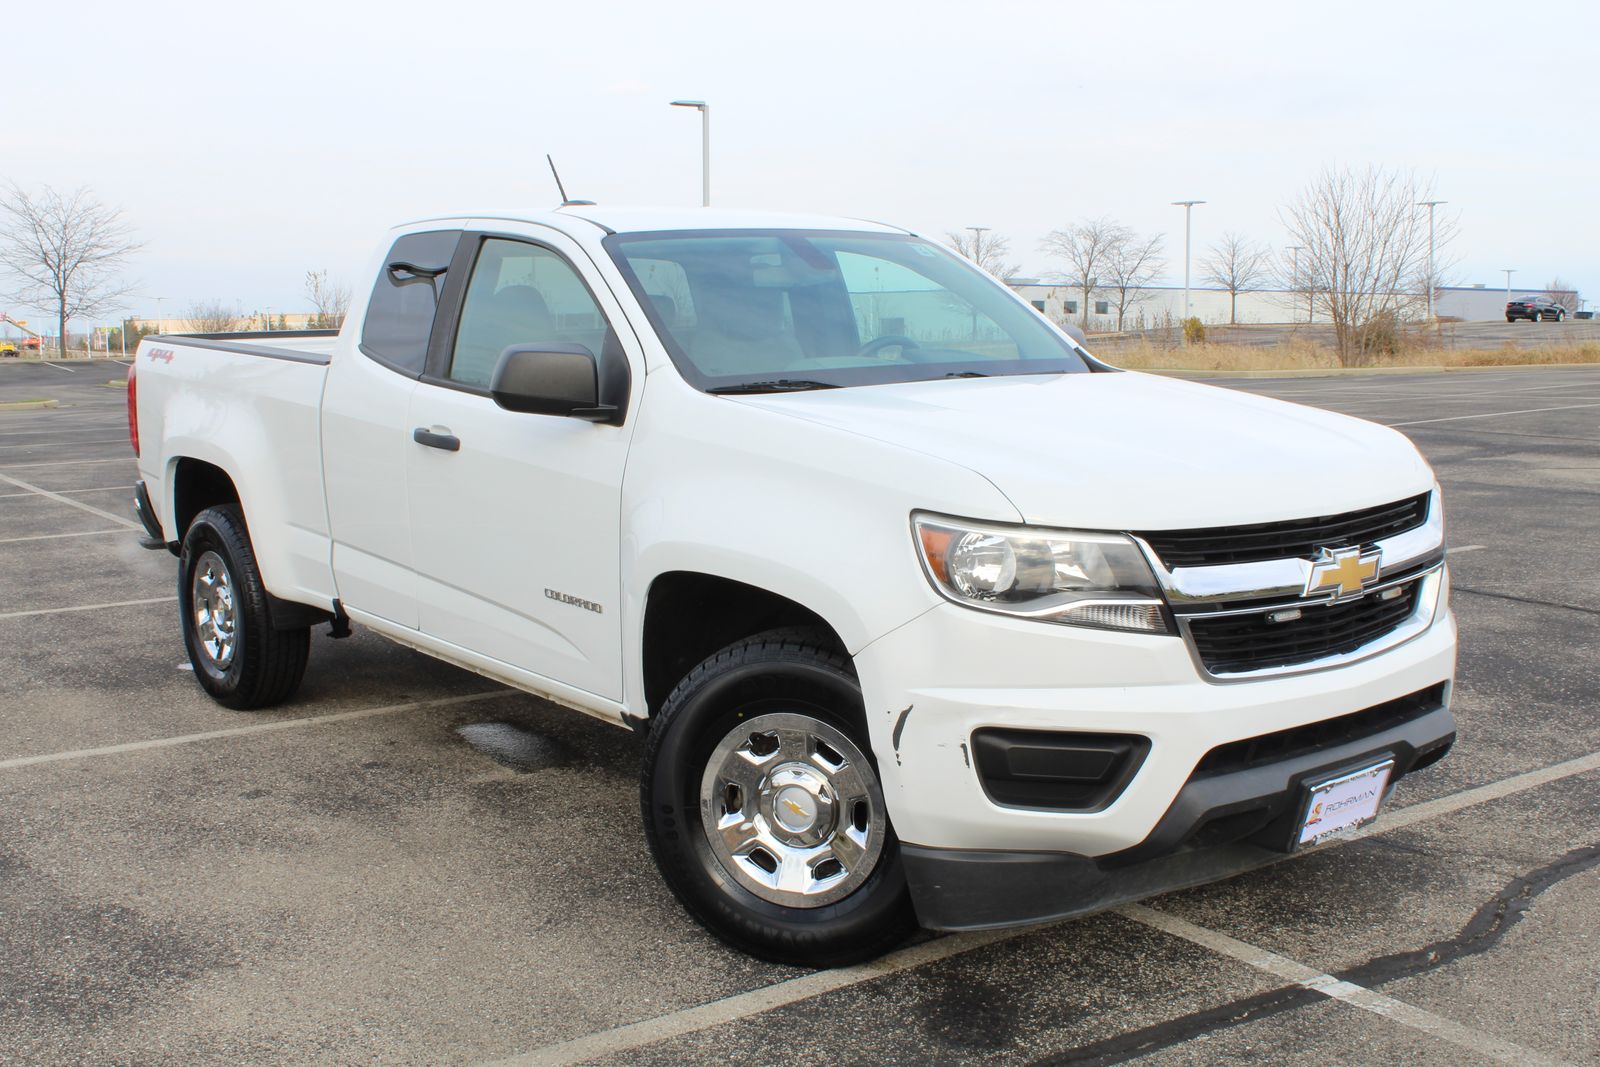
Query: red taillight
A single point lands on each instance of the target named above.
(133, 410)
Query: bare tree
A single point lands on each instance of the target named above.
(1563, 293)
(63, 250)
(1238, 265)
(1133, 263)
(331, 300)
(1087, 248)
(1364, 252)
(213, 316)
(988, 251)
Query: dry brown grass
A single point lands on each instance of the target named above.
(1305, 355)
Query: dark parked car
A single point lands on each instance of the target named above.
(1534, 308)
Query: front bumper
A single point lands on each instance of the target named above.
(1217, 826)
(972, 862)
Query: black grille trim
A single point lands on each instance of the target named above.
(1233, 644)
(1213, 546)
(1298, 740)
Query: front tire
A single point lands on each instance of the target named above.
(763, 809)
(237, 656)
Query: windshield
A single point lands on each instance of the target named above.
(774, 309)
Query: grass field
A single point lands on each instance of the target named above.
(1303, 355)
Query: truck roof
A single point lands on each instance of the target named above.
(631, 219)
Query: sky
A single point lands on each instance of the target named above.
(248, 143)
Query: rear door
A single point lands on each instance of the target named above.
(366, 428)
(515, 529)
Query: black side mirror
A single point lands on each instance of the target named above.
(551, 379)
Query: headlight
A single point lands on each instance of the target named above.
(1082, 579)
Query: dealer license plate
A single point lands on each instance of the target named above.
(1344, 803)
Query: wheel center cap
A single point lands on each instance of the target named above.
(795, 808)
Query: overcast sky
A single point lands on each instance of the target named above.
(248, 143)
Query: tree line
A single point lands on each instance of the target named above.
(1359, 253)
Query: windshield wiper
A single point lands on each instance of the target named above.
(966, 374)
(779, 385)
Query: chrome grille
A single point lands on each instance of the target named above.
(1249, 641)
(1294, 538)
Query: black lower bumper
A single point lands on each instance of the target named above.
(153, 537)
(1219, 825)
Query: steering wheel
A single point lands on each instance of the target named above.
(888, 340)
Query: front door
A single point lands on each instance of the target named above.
(515, 517)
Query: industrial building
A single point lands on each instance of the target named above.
(1162, 305)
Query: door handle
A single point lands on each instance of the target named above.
(447, 441)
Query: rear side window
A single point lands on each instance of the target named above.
(405, 297)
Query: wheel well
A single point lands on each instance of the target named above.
(689, 615)
(197, 485)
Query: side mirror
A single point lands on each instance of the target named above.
(550, 379)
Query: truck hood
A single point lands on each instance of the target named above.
(1129, 451)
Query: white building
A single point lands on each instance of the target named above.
(1162, 305)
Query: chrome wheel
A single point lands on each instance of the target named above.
(216, 617)
(793, 810)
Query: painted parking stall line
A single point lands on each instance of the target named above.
(60, 499)
(245, 731)
(86, 607)
(1436, 1026)
(57, 536)
(744, 1005)
(1491, 415)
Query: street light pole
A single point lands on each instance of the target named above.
(1296, 279)
(977, 243)
(705, 146)
(1188, 211)
(1509, 272)
(1430, 205)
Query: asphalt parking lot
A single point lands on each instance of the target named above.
(412, 865)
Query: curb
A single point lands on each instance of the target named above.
(1350, 372)
(27, 405)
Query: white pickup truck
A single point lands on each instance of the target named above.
(928, 614)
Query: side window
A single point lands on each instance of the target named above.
(400, 313)
(521, 294)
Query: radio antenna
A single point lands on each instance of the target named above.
(565, 200)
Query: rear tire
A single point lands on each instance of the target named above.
(819, 884)
(237, 656)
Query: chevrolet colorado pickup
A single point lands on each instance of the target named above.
(928, 615)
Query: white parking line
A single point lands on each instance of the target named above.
(755, 1002)
(69, 492)
(47, 363)
(730, 1009)
(52, 537)
(65, 463)
(106, 441)
(244, 731)
(1491, 415)
(1465, 548)
(1261, 959)
(84, 607)
(80, 505)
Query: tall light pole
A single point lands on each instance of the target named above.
(1188, 210)
(705, 146)
(1294, 280)
(1509, 272)
(977, 243)
(1430, 205)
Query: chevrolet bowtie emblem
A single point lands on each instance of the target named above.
(1343, 571)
